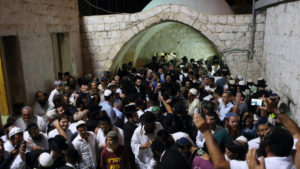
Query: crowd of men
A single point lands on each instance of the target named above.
(163, 116)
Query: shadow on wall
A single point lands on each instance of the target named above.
(166, 37)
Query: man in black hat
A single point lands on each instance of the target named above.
(35, 139)
(184, 60)
(261, 85)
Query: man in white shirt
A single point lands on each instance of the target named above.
(142, 138)
(226, 105)
(62, 128)
(28, 117)
(85, 143)
(56, 91)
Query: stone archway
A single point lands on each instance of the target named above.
(166, 13)
(103, 36)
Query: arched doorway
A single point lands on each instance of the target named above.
(165, 37)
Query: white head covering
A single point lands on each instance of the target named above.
(46, 160)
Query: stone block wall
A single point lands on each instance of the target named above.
(281, 51)
(102, 37)
(33, 21)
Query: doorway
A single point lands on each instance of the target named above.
(12, 89)
(62, 58)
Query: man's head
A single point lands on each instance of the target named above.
(63, 121)
(148, 121)
(138, 82)
(58, 85)
(84, 88)
(193, 94)
(27, 114)
(232, 124)
(82, 129)
(211, 119)
(105, 125)
(131, 113)
(211, 81)
(118, 104)
(277, 142)
(67, 89)
(184, 145)
(168, 78)
(262, 130)
(226, 97)
(34, 132)
(41, 97)
(15, 136)
(112, 140)
(108, 95)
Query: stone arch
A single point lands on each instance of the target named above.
(164, 13)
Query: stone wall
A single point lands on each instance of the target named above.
(33, 21)
(281, 51)
(103, 36)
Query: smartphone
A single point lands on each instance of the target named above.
(256, 102)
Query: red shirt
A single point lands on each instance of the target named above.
(114, 160)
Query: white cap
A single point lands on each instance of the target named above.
(240, 77)
(242, 138)
(56, 83)
(119, 91)
(242, 83)
(232, 76)
(250, 81)
(80, 122)
(51, 114)
(14, 131)
(46, 160)
(107, 92)
(232, 82)
(78, 115)
(193, 91)
(260, 78)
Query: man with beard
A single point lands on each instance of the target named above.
(41, 104)
(194, 102)
(142, 139)
(35, 139)
(229, 133)
(107, 106)
(106, 126)
(27, 117)
(262, 130)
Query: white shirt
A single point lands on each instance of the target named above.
(143, 156)
(254, 143)
(50, 98)
(140, 113)
(87, 150)
(43, 143)
(224, 109)
(101, 138)
(73, 128)
(200, 140)
(271, 163)
(54, 133)
(37, 119)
